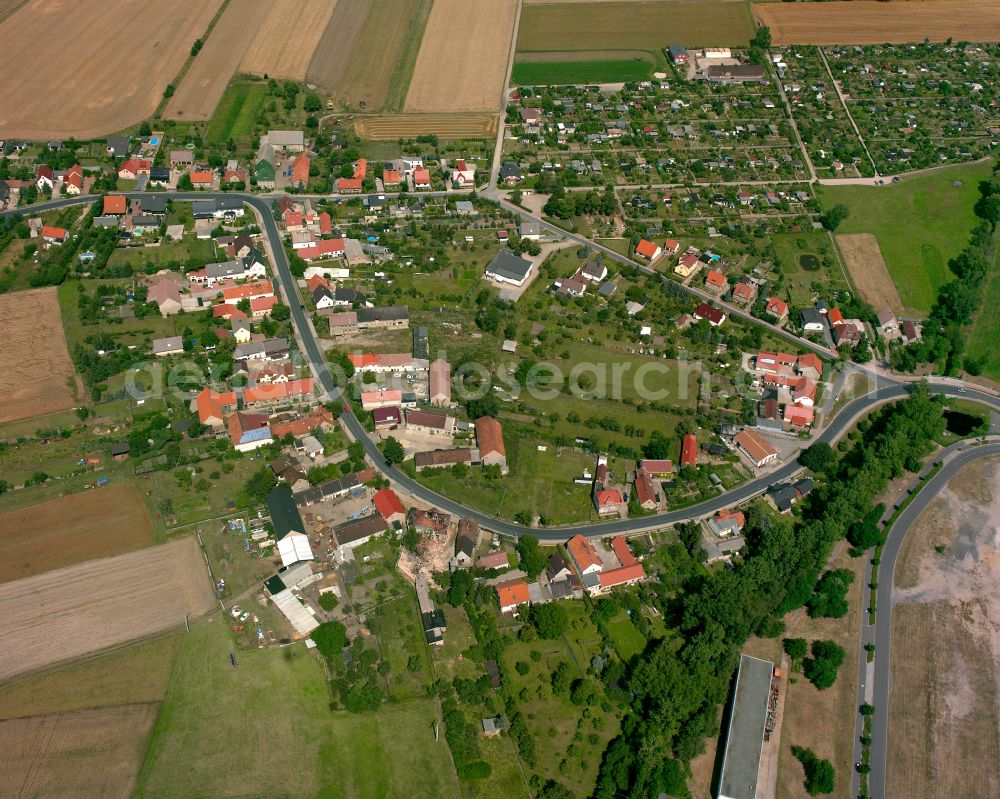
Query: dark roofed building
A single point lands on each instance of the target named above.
(745, 734)
(285, 516)
(736, 73)
(506, 267)
(356, 533)
(442, 457)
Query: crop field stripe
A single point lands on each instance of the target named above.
(333, 52)
(576, 72)
(447, 126)
(236, 113)
(647, 26)
(286, 40)
(399, 85)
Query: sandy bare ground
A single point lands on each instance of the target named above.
(333, 51)
(63, 614)
(200, 91)
(286, 40)
(87, 69)
(465, 76)
(72, 529)
(868, 271)
(84, 754)
(871, 22)
(945, 698)
(34, 359)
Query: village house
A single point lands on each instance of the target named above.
(508, 268)
(489, 439)
(754, 448)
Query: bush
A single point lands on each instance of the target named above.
(821, 668)
(522, 667)
(330, 637)
(830, 599)
(550, 620)
(819, 772)
(327, 601)
(796, 648)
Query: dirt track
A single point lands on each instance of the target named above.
(63, 614)
(88, 69)
(79, 755)
(212, 69)
(865, 263)
(468, 77)
(73, 529)
(286, 40)
(871, 22)
(34, 358)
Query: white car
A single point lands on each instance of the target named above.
(236, 611)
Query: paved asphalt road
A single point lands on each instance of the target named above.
(883, 603)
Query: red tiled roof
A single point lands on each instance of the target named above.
(304, 425)
(625, 574)
(115, 204)
(714, 278)
(489, 436)
(607, 497)
(777, 307)
(321, 248)
(316, 281)
(583, 552)
(292, 218)
(387, 503)
(226, 310)
(689, 450)
(361, 169)
(744, 291)
(620, 546)
(646, 249)
(201, 177)
(657, 466)
(835, 316)
(300, 169)
(278, 391)
(259, 288)
(53, 232)
(262, 304)
(810, 361)
(644, 490)
(513, 593)
(211, 403)
(421, 177)
(325, 224)
(754, 445)
(799, 415)
(391, 177)
(348, 184)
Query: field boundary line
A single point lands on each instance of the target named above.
(179, 77)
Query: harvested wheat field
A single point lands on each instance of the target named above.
(78, 755)
(445, 126)
(72, 529)
(944, 705)
(200, 91)
(868, 271)
(87, 69)
(872, 22)
(63, 614)
(35, 368)
(333, 51)
(286, 40)
(470, 77)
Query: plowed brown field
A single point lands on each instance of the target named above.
(466, 75)
(868, 271)
(72, 529)
(285, 42)
(63, 614)
(200, 91)
(870, 22)
(34, 358)
(87, 69)
(79, 755)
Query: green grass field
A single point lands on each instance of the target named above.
(789, 249)
(264, 728)
(919, 223)
(628, 640)
(534, 73)
(236, 113)
(639, 26)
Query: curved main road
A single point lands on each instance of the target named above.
(886, 389)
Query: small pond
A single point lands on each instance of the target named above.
(809, 262)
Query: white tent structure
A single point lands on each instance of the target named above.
(293, 548)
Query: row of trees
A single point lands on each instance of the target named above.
(675, 691)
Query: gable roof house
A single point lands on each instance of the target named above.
(73, 180)
(777, 308)
(508, 268)
(466, 540)
(648, 250)
(512, 594)
(300, 171)
(489, 438)
(388, 506)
